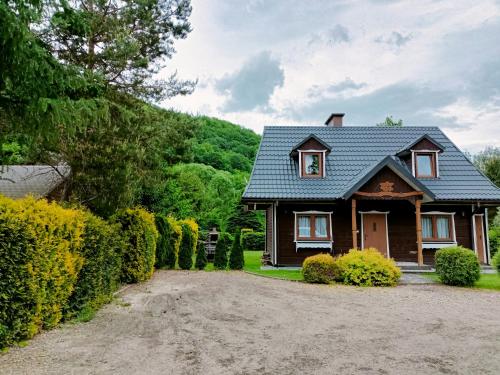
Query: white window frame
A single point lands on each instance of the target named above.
(323, 156)
(440, 244)
(413, 161)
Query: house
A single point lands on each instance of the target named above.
(18, 181)
(406, 191)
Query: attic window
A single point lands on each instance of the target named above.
(425, 164)
(312, 163)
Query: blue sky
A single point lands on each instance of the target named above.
(272, 62)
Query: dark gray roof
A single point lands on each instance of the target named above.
(18, 181)
(355, 151)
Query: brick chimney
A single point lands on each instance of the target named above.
(335, 120)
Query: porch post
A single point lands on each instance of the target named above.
(354, 225)
(418, 203)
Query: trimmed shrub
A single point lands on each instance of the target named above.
(236, 259)
(100, 274)
(494, 237)
(320, 269)
(458, 266)
(188, 243)
(251, 240)
(367, 267)
(201, 256)
(221, 249)
(39, 265)
(496, 262)
(169, 242)
(139, 250)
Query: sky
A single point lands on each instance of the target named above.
(293, 62)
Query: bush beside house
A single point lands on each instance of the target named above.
(320, 269)
(251, 240)
(457, 266)
(496, 262)
(221, 249)
(236, 260)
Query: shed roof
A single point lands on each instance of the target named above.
(355, 150)
(17, 181)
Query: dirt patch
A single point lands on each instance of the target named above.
(235, 323)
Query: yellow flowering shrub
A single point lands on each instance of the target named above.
(368, 267)
(320, 269)
(39, 265)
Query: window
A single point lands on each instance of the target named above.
(425, 165)
(315, 227)
(312, 164)
(437, 227)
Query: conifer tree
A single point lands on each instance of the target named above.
(201, 256)
(236, 260)
(221, 249)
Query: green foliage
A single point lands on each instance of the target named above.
(39, 265)
(368, 267)
(139, 248)
(457, 266)
(390, 122)
(488, 162)
(188, 244)
(320, 269)
(100, 274)
(251, 240)
(125, 42)
(494, 237)
(236, 259)
(224, 146)
(201, 256)
(169, 242)
(221, 250)
(496, 261)
(12, 153)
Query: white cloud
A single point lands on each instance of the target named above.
(437, 63)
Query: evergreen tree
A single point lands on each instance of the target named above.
(201, 256)
(236, 259)
(221, 249)
(186, 250)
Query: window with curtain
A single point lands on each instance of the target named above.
(313, 227)
(312, 164)
(425, 165)
(436, 227)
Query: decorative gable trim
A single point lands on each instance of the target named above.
(407, 149)
(324, 145)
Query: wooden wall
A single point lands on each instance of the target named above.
(401, 228)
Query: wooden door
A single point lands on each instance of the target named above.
(375, 232)
(479, 239)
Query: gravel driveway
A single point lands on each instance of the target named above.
(235, 323)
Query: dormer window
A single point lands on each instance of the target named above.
(312, 164)
(425, 164)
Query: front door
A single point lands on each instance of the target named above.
(375, 232)
(479, 239)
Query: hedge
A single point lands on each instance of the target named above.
(457, 265)
(251, 240)
(188, 244)
(139, 246)
(320, 269)
(39, 265)
(368, 267)
(100, 274)
(169, 242)
(496, 262)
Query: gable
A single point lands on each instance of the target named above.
(425, 144)
(312, 144)
(386, 181)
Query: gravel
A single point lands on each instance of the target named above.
(236, 323)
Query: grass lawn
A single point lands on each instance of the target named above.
(487, 280)
(252, 264)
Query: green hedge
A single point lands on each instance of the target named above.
(188, 244)
(100, 274)
(169, 242)
(39, 265)
(368, 267)
(496, 262)
(457, 265)
(139, 249)
(251, 240)
(320, 269)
